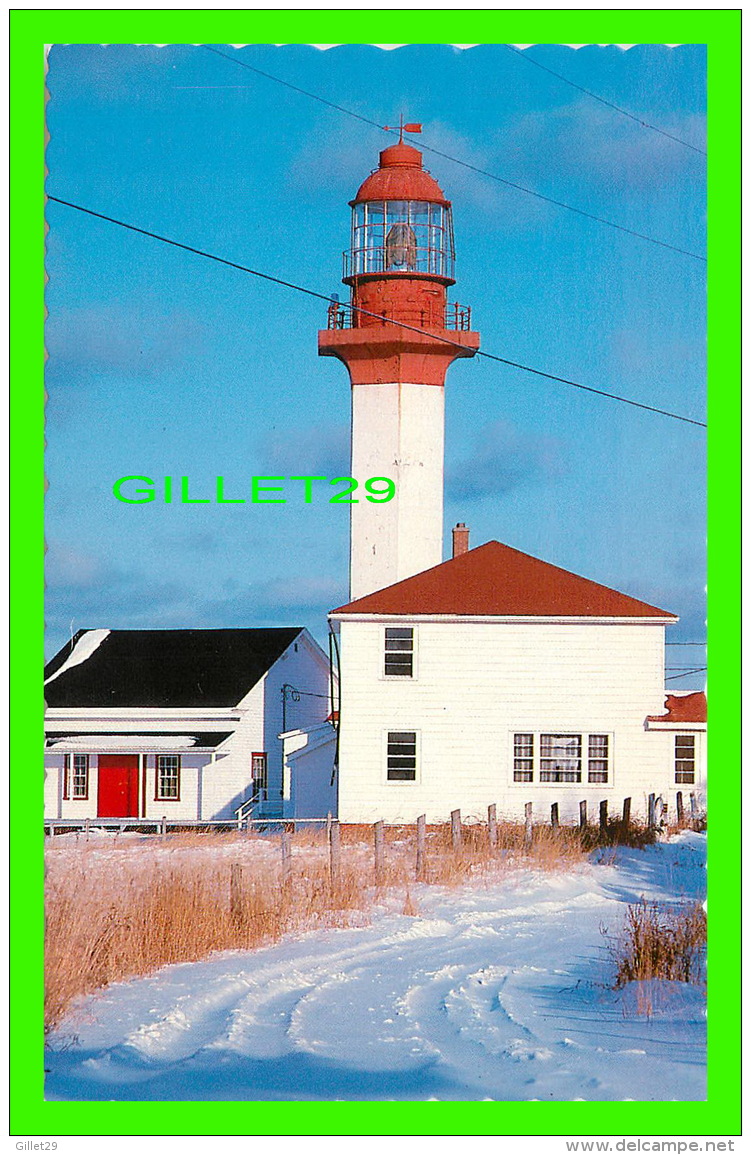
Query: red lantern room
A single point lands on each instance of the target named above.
(398, 268)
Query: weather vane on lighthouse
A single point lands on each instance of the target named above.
(397, 336)
(402, 128)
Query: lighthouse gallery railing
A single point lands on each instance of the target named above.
(456, 317)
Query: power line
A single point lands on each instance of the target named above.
(685, 643)
(608, 103)
(294, 87)
(455, 160)
(675, 677)
(366, 313)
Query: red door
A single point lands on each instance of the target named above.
(118, 786)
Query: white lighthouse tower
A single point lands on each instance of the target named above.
(398, 268)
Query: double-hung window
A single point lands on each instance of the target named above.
(524, 764)
(399, 652)
(599, 750)
(401, 756)
(76, 784)
(685, 759)
(562, 758)
(168, 777)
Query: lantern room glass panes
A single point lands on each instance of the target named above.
(401, 237)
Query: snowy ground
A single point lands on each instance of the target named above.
(491, 992)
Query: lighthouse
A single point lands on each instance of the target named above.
(397, 335)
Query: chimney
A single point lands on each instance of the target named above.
(460, 535)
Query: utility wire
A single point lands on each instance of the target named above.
(524, 53)
(685, 643)
(675, 677)
(456, 160)
(367, 313)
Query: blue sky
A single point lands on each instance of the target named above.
(163, 363)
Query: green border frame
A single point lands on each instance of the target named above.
(30, 31)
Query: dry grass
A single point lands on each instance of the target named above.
(660, 942)
(118, 908)
(104, 925)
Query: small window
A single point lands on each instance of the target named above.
(685, 759)
(524, 749)
(599, 751)
(260, 773)
(401, 757)
(560, 758)
(168, 777)
(76, 780)
(399, 652)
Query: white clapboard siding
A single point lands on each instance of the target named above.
(475, 684)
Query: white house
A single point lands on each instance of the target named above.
(185, 724)
(499, 678)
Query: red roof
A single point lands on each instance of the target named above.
(400, 177)
(496, 580)
(683, 708)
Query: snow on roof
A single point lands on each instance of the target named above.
(163, 668)
(96, 742)
(498, 581)
(83, 646)
(685, 707)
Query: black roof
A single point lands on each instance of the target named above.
(166, 668)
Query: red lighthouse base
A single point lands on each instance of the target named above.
(376, 354)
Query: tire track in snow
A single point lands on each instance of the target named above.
(493, 995)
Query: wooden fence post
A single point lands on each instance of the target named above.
(335, 852)
(164, 826)
(694, 807)
(604, 816)
(236, 890)
(527, 823)
(328, 828)
(456, 829)
(492, 827)
(679, 806)
(87, 827)
(420, 862)
(378, 849)
(286, 856)
(651, 813)
(554, 819)
(583, 813)
(626, 819)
